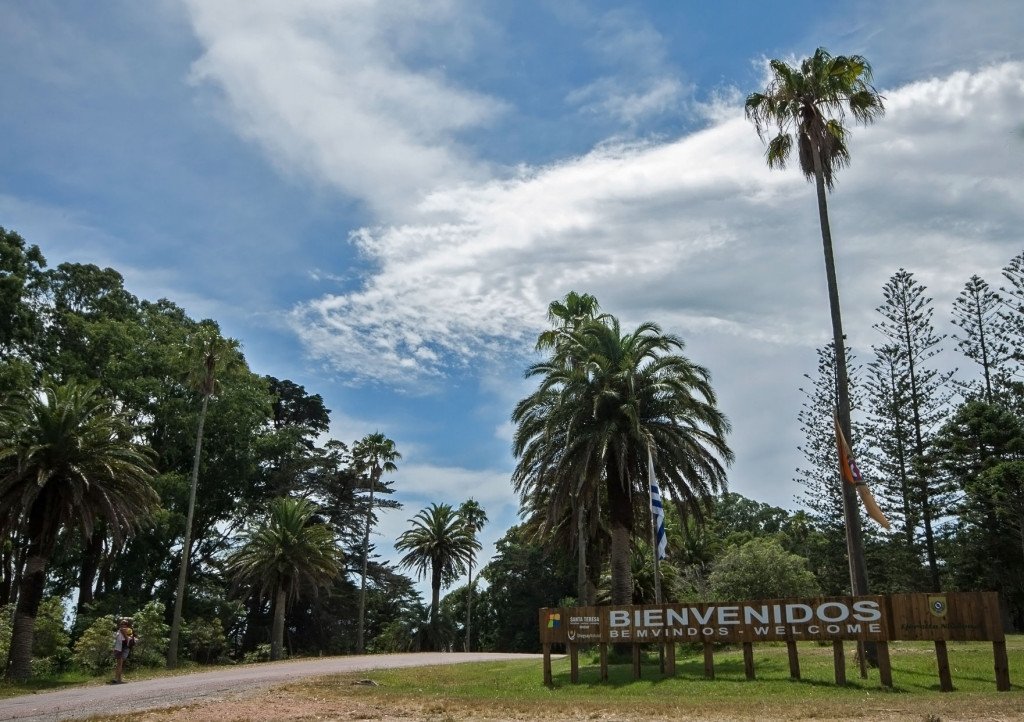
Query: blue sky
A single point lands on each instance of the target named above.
(379, 199)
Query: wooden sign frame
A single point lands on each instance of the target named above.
(878, 619)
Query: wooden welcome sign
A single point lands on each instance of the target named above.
(954, 616)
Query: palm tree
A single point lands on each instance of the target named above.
(439, 544)
(284, 556)
(208, 356)
(474, 517)
(598, 417)
(808, 106)
(373, 454)
(568, 316)
(67, 459)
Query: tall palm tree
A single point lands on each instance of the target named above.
(373, 455)
(474, 517)
(441, 545)
(67, 459)
(285, 556)
(597, 418)
(808, 106)
(208, 356)
(568, 316)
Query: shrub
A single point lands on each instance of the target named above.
(49, 636)
(93, 649)
(153, 634)
(6, 629)
(205, 640)
(761, 569)
(260, 654)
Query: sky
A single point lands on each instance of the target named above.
(380, 199)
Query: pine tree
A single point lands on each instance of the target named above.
(983, 332)
(907, 323)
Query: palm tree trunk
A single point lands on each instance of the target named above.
(469, 609)
(277, 632)
(186, 546)
(90, 565)
(30, 590)
(851, 514)
(620, 506)
(366, 553)
(435, 604)
(581, 556)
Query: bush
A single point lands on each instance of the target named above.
(6, 629)
(204, 639)
(760, 569)
(153, 634)
(93, 649)
(49, 636)
(260, 654)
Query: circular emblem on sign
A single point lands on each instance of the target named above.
(938, 606)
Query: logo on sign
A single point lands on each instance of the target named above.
(937, 606)
(554, 620)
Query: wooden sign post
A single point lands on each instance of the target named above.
(955, 616)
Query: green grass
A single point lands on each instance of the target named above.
(517, 689)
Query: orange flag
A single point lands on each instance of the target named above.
(848, 468)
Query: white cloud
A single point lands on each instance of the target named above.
(696, 233)
(327, 90)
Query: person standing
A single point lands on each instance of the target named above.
(121, 637)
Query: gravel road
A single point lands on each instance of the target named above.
(80, 702)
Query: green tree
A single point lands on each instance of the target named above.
(807, 105)
(440, 545)
(67, 459)
(285, 555)
(581, 529)
(524, 575)
(983, 333)
(907, 323)
(373, 455)
(209, 354)
(475, 518)
(761, 569)
(625, 395)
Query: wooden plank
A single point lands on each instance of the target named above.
(748, 660)
(546, 648)
(636, 661)
(604, 662)
(709, 660)
(959, 616)
(670, 659)
(794, 659)
(1002, 666)
(884, 665)
(574, 663)
(839, 661)
(942, 657)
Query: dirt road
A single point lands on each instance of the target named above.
(80, 702)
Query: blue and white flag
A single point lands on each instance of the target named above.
(657, 512)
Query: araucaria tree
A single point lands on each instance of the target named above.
(907, 323)
(808, 106)
(440, 545)
(67, 459)
(286, 555)
(622, 396)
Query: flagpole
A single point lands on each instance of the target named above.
(654, 531)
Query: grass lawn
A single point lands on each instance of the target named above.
(515, 690)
